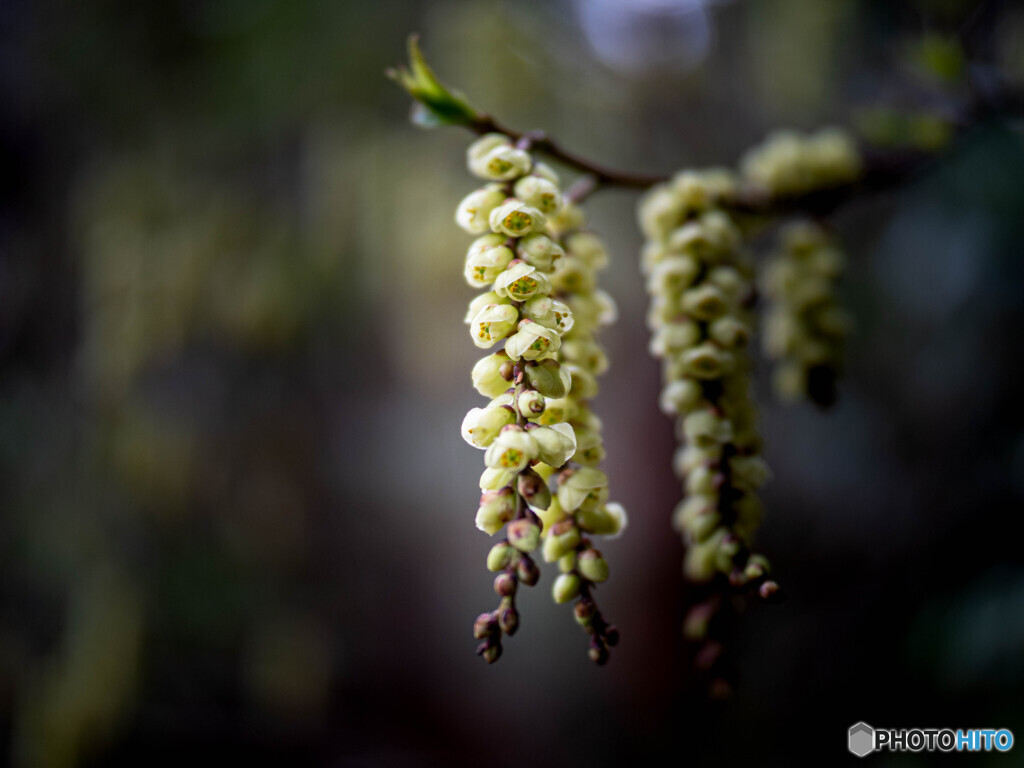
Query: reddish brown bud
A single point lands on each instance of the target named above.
(505, 584)
(527, 571)
(484, 626)
(508, 620)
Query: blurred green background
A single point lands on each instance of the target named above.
(237, 513)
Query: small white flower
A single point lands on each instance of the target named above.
(474, 212)
(532, 341)
(661, 211)
(705, 302)
(680, 396)
(492, 323)
(493, 479)
(482, 146)
(503, 163)
(482, 425)
(549, 312)
(672, 275)
(674, 337)
(572, 275)
(516, 219)
(520, 282)
(586, 353)
(512, 450)
(487, 258)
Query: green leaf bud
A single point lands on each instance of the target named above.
(592, 566)
(566, 587)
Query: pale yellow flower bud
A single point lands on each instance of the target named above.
(672, 275)
(584, 385)
(493, 323)
(487, 258)
(609, 520)
(674, 337)
(532, 341)
(586, 353)
(705, 302)
(587, 247)
(530, 403)
(552, 515)
(496, 509)
(592, 566)
(493, 479)
(589, 448)
(581, 484)
(729, 280)
(545, 171)
(558, 410)
(482, 425)
(474, 212)
(487, 375)
(516, 219)
(568, 218)
(680, 396)
(729, 332)
(540, 251)
(560, 541)
(556, 443)
(707, 361)
(540, 193)
(550, 379)
(572, 275)
(749, 472)
(521, 281)
(704, 428)
(661, 211)
(689, 457)
(485, 144)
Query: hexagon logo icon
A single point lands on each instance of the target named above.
(861, 739)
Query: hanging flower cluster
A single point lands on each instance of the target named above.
(788, 163)
(701, 285)
(581, 508)
(532, 426)
(804, 325)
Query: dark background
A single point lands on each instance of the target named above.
(237, 515)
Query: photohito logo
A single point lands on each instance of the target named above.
(863, 739)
